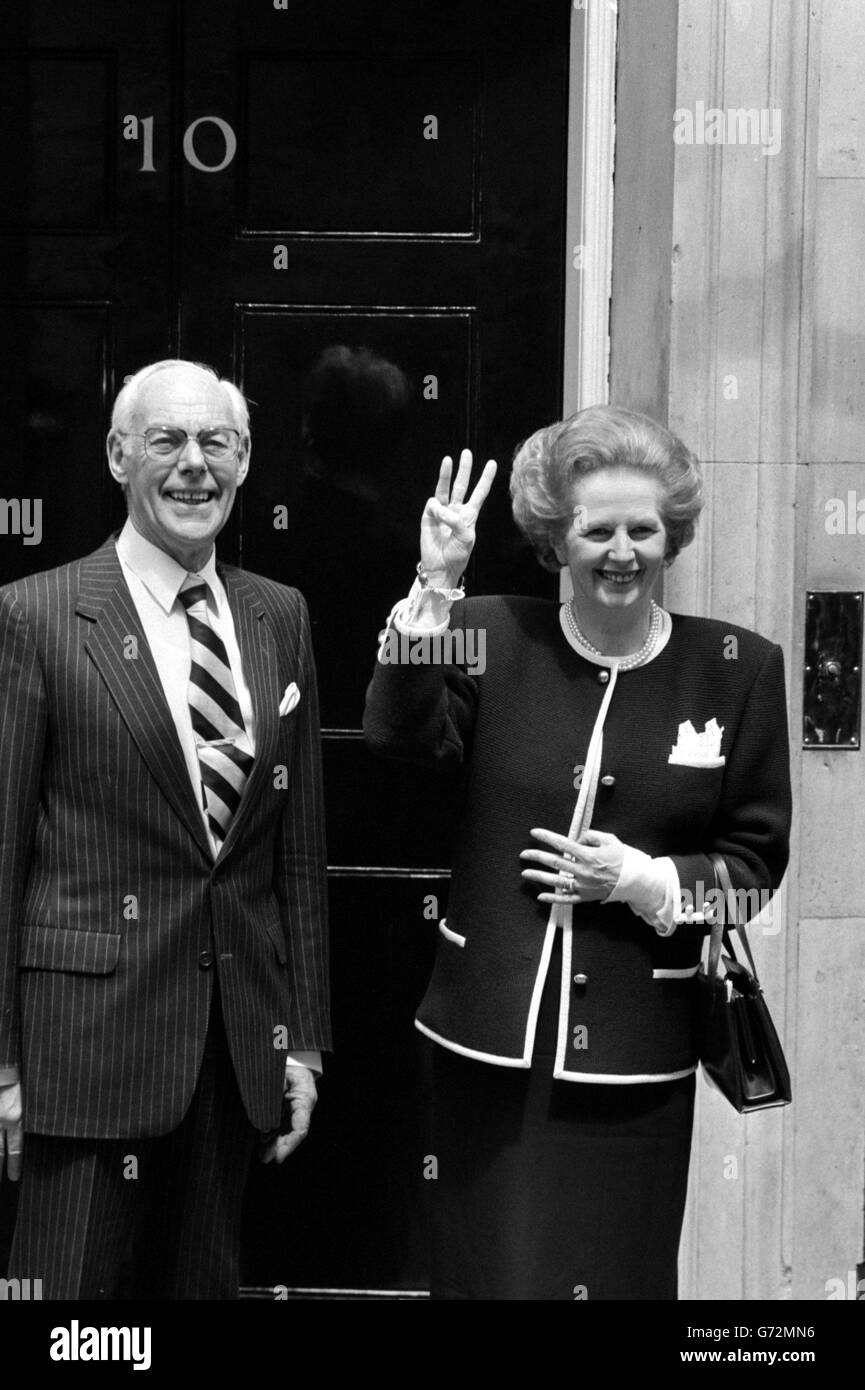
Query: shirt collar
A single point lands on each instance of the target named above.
(160, 573)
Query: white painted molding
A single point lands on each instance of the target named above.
(589, 215)
(591, 154)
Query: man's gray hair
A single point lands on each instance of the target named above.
(127, 396)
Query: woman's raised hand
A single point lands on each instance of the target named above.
(447, 528)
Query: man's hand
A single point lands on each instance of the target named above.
(11, 1129)
(301, 1095)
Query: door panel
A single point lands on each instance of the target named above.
(54, 357)
(350, 1212)
(349, 159)
(356, 210)
(85, 254)
(71, 90)
(347, 434)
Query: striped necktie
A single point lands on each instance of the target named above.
(217, 721)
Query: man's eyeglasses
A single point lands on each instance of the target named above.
(217, 446)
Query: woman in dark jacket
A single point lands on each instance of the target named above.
(611, 746)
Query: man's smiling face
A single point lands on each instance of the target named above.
(179, 504)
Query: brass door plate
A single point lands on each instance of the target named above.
(832, 684)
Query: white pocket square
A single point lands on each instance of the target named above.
(698, 750)
(289, 699)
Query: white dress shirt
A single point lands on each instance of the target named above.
(155, 579)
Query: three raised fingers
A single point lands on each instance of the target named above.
(454, 496)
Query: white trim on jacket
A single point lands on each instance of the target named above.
(561, 914)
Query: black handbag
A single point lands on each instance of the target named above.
(739, 1047)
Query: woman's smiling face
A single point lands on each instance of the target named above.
(615, 548)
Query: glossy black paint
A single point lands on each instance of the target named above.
(417, 308)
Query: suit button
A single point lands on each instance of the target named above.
(581, 979)
(608, 781)
(205, 960)
(603, 677)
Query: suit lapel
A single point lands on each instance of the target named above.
(133, 681)
(260, 668)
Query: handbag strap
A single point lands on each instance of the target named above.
(721, 925)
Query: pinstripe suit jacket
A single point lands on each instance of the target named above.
(113, 914)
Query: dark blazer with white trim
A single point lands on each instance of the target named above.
(518, 731)
(113, 914)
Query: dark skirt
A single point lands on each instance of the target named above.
(555, 1190)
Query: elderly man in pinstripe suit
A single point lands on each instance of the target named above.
(163, 954)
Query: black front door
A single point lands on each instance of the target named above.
(356, 209)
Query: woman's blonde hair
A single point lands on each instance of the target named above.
(552, 460)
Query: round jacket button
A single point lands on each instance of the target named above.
(603, 677)
(205, 960)
(581, 979)
(608, 781)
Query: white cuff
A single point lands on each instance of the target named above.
(407, 616)
(650, 887)
(312, 1060)
(416, 613)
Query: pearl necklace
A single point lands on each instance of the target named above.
(637, 658)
